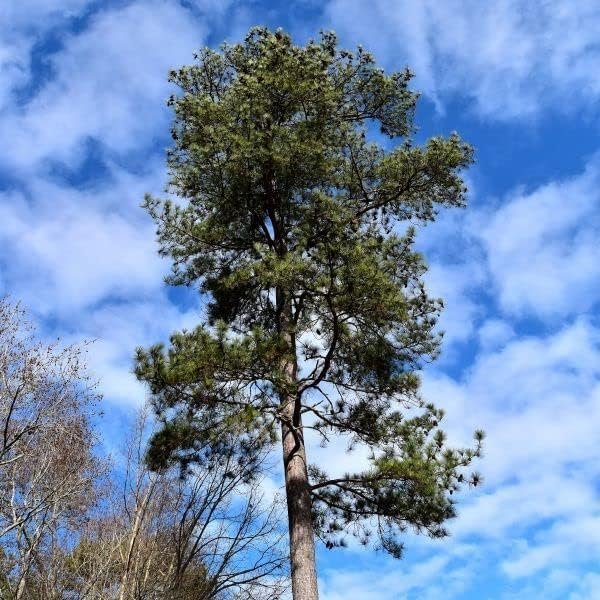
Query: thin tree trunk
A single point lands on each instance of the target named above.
(299, 502)
(140, 511)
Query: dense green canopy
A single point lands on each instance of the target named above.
(299, 227)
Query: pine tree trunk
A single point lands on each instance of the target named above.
(302, 544)
(299, 502)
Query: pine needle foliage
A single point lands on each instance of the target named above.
(299, 228)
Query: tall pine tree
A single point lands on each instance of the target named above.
(295, 227)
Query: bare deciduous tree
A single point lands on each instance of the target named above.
(68, 531)
(48, 471)
(207, 533)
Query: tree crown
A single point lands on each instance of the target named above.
(292, 225)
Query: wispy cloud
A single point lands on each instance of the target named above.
(81, 253)
(542, 247)
(512, 58)
(70, 248)
(22, 25)
(109, 84)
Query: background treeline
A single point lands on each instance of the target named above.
(77, 524)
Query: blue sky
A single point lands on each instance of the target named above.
(83, 125)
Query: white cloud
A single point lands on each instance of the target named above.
(456, 274)
(116, 330)
(72, 248)
(538, 398)
(13, 68)
(421, 577)
(533, 253)
(512, 57)
(22, 24)
(588, 586)
(456, 284)
(38, 14)
(574, 539)
(109, 84)
(542, 247)
(539, 401)
(84, 259)
(494, 333)
(375, 585)
(85, 262)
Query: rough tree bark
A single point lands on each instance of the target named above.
(299, 502)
